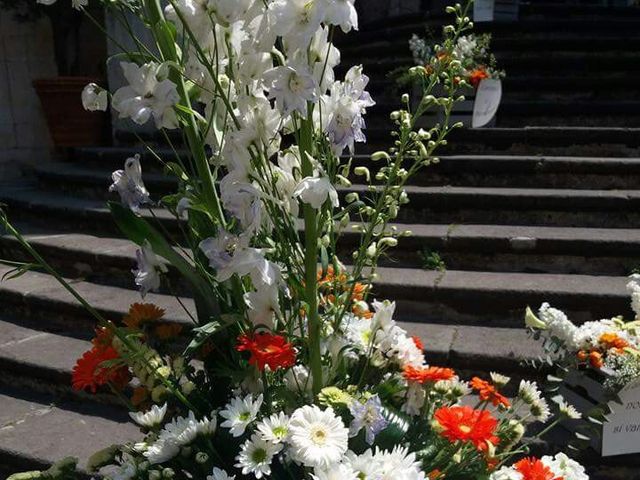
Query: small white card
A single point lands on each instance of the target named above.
(621, 434)
(487, 102)
(483, 10)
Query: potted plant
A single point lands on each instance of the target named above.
(69, 124)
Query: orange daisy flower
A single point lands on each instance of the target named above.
(533, 469)
(89, 372)
(103, 338)
(140, 313)
(488, 392)
(427, 374)
(464, 424)
(418, 343)
(267, 349)
(477, 75)
(168, 331)
(613, 341)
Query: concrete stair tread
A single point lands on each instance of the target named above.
(38, 429)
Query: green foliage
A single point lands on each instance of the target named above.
(431, 260)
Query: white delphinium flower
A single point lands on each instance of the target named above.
(298, 379)
(147, 275)
(315, 191)
(341, 13)
(318, 437)
(287, 173)
(94, 98)
(291, 86)
(297, 20)
(414, 401)
(149, 94)
(383, 314)
(367, 416)
(182, 208)
(256, 455)
(263, 305)
(242, 200)
(400, 464)
(219, 474)
(274, 429)
(336, 471)
(239, 413)
(323, 57)
(196, 16)
(564, 467)
(345, 108)
(152, 418)
(129, 185)
(226, 12)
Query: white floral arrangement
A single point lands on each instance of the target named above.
(610, 346)
(290, 370)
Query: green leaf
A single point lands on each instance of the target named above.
(202, 334)
(139, 231)
(396, 430)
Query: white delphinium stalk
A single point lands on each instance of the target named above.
(291, 86)
(633, 287)
(341, 13)
(94, 98)
(239, 413)
(256, 455)
(227, 12)
(318, 438)
(263, 305)
(129, 185)
(149, 94)
(242, 200)
(147, 275)
(296, 21)
(150, 419)
(275, 428)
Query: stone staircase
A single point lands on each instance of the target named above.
(544, 207)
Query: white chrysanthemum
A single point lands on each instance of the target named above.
(318, 437)
(219, 474)
(567, 409)
(498, 379)
(151, 418)
(529, 392)
(367, 466)
(337, 471)
(540, 410)
(274, 429)
(506, 473)
(256, 455)
(564, 467)
(239, 413)
(359, 331)
(179, 432)
(400, 464)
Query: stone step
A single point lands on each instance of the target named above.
(38, 429)
(450, 297)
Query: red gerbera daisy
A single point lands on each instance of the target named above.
(533, 469)
(467, 425)
(427, 374)
(477, 75)
(267, 349)
(488, 392)
(91, 373)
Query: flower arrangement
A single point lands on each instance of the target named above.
(610, 347)
(290, 369)
(472, 51)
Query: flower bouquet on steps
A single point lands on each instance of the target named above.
(289, 370)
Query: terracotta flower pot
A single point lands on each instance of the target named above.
(69, 123)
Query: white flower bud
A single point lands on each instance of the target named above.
(345, 182)
(371, 250)
(325, 241)
(202, 457)
(388, 242)
(363, 172)
(377, 156)
(352, 197)
(405, 98)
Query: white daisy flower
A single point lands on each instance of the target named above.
(274, 429)
(540, 410)
(239, 413)
(498, 379)
(529, 392)
(336, 471)
(318, 437)
(256, 455)
(179, 432)
(567, 409)
(400, 464)
(506, 473)
(367, 466)
(151, 418)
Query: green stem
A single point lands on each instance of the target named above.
(311, 260)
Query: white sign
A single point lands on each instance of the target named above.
(487, 102)
(483, 10)
(621, 434)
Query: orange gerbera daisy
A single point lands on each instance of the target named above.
(427, 374)
(533, 469)
(267, 349)
(140, 313)
(464, 424)
(90, 371)
(613, 341)
(488, 392)
(477, 75)
(418, 343)
(103, 338)
(167, 331)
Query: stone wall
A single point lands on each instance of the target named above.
(26, 53)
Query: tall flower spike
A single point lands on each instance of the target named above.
(129, 185)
